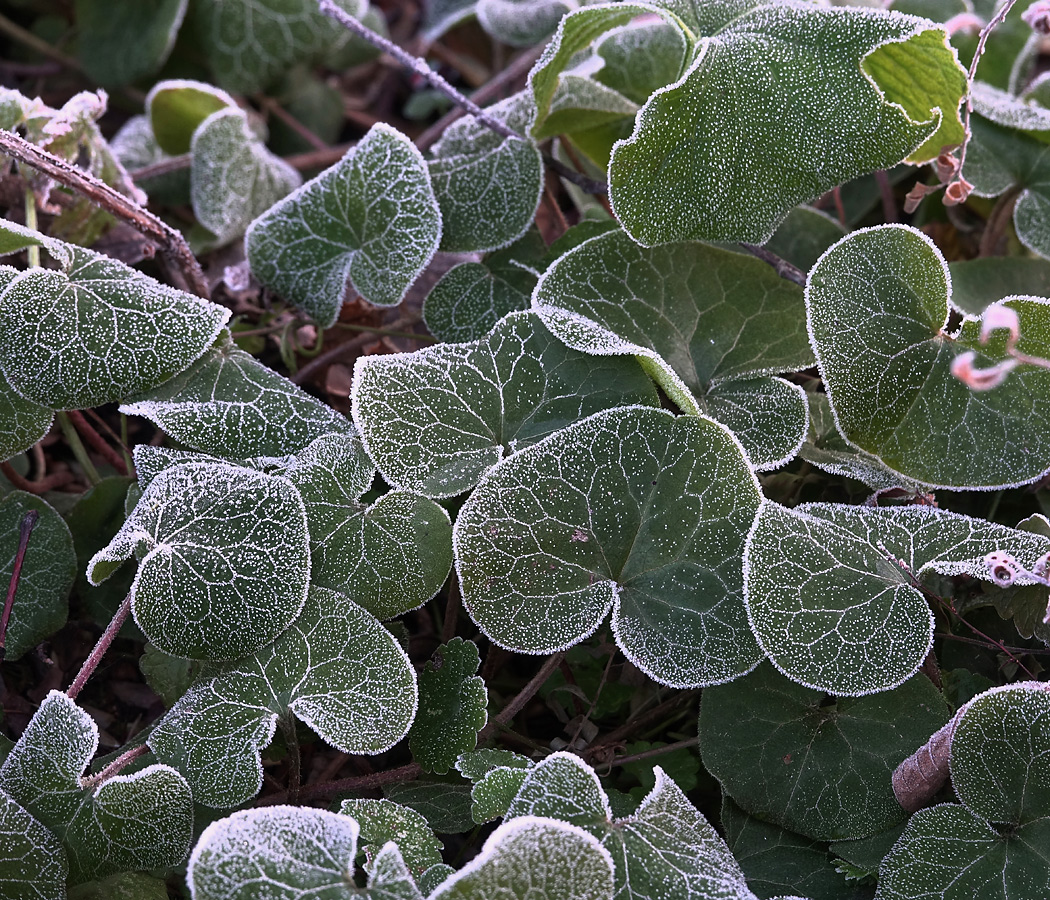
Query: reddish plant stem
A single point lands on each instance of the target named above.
(448, 627)
(344, 350)
(889, 202)
(35, 487)
(115, 767)
(355, 784)
(279, 112)
(25, 529)
(656, 751)
(95, 657)
(783, 268)
(87, 431)
(998, 218)
(171, 242)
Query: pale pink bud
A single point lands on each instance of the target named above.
(1038, 16)
(957, 192)
(947, 167)
(998, 316)
(1002, 567)
(980, 379)
(916, 194)
(963, 22)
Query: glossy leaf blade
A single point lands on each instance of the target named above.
(225, 559)
(878, 309)
(371, 220)
(762, 120)
(591, 519)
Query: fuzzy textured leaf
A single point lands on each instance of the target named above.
(33, 864)
(591, 520)
(383, 821)
(336, 669)
(22, 422)
(224, 563)
(371, 220)
(435, 420)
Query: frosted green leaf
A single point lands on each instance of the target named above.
(1000, 159)
(234, 178)
(521, 23)
(139, 821)
(453, 705)
(710, 325)
(785, 755)
(492, 796)
(443, 15)
(23, 422)
(445, 805)
(665, 850)
(175, 108)
(136, 147)
(382, 821)
(487, 185)
(119, 44)
(335, 668)
(371, 220)
(476, 764)
(230, 404)
(830, 589)
(94, 331)
(48, 571)
(878, 305)
(435, 420)
(763, 119)
(224, 559)
(32, 862)
(542, 859)
(641, 57)
(122, 886)
(290, 853)
(590, 114)
(249, 44)
(630, 510)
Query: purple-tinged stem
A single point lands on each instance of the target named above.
(95, 657)
(24, 530)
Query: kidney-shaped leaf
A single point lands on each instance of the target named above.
(290, 852)
(487, 185)
(229, 404)
(33, 865)
(631, 510)
(787, 756)
(665, 850)
(710, 325)
(436, 419)
(371, 219)
(337, 669)
(48, 571)
(538, 858)
(765, 119)
(94, 331)
(139, 821)
(831, 594)
(225, 560)
(878, 309)
(994, 844)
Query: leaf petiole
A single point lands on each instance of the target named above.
(24, 530)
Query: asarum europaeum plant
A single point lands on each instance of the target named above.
(640, 450)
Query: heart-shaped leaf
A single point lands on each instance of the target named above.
(371, 220)
(630, 510)
(93, 331)
(708, 324)
(666, 850)
(763, 119)
(832, 591)
(543, 859)
(824, 769)
(225, 559)
(520, 23)
(436, 419)
(33, 864)
(878, 308)
(108, 56)
(452, 706)
(48, 570)
(264, 850)
(487, 185)
(382, 821)
(177, 107)
(234, 178)
(336, 669)
(229, 404)
(139, 821)
(993, 845)
(249, 44)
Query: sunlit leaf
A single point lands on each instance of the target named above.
(224, 559)
(371, 220)
(93, 331)
(138, 821)
(879, 306)
(336, 669)
(630, 510)
(436, 419)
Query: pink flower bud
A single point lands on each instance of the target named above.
(1038, 16)
(980, 379)
(998, 316)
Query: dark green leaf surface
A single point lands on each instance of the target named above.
(383, 820)
(32, 862)
(104, 49)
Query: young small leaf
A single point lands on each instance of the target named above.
(436, 419)
(175, 109)
(452, 706)
(336, 669)
(493, 794)
(382, 821)
(224, 563)
(371, 220)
